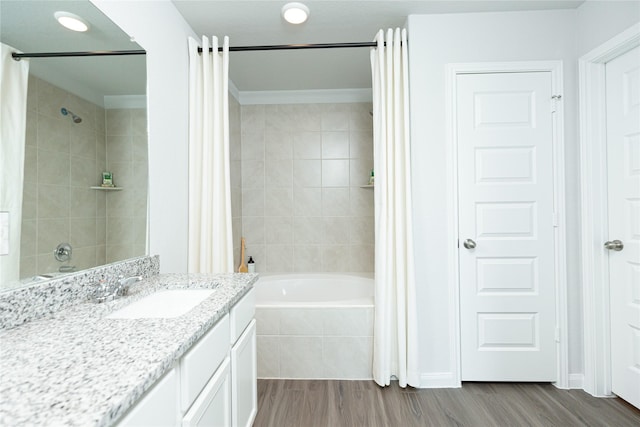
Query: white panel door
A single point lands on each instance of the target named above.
(623, 157)
(505, 184)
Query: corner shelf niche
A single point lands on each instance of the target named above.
(367, 186)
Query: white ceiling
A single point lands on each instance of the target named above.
(260, 23)
(30, 26)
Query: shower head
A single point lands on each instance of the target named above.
(65, 112)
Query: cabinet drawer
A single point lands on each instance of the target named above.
(201, 361)
(213, 406)
(241, 314)
(158, 407)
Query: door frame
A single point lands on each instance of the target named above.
(560, 274)
(594, 218)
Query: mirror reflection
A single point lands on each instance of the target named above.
(84, 117)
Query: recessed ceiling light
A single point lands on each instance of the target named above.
(295, 13)
(71, 21)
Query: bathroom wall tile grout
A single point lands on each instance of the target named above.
(62, 160)
(314, 342)
(302, 163)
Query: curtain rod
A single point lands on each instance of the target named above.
(19, 56)
(295, 46)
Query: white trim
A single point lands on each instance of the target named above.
(125, 101)
(233, 89)
(320, 96)
(555, 68)
(439, 380)
(594, 221)
(452, 224)
(576, 381)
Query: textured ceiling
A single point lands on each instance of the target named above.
(30, 27)
(259, 23)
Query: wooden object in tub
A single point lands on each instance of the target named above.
(242, 268)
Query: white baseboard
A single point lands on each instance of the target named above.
(576, 381)
(439, 380)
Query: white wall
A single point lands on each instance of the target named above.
(437, 40)
(598, 21)
(162, 32)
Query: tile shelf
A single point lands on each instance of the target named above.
(367, 186)
(106, 188)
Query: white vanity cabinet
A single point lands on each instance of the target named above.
(158, 407)
(213, 384)
(244, 375)
(213, 406)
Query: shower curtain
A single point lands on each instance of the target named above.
(14, 76)
(395, 341)
(210, 236)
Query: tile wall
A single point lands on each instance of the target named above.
(303, 209)
(235, 140)
(315, 342)
(126, 210)
(62, 160)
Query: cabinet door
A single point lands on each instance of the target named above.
(244, 401)
(158, 407)
(201, 361)
(213, 406)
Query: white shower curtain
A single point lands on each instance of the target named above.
(14, 76)
(210, 236)
(395, 341)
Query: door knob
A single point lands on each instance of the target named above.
(614, 245)
(469, 244)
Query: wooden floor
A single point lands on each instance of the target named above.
(306, 403)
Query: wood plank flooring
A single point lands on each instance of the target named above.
(310, 403)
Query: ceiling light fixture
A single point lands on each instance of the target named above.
(295, 13)
(71, 21)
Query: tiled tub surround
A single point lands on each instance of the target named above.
(303, 209)
(329, 336)
(80, 369)
(126, 210)
(235, 141)
(63, 160)
(43, 299)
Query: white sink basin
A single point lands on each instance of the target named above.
(163, 304)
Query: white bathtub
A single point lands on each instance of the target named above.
(317, 289)
(315, 326)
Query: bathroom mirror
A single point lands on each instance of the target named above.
(85, 116)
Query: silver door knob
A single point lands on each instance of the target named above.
(469, 244)
(614, 245)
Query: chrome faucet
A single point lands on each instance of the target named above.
(123, 284)
(109, 291)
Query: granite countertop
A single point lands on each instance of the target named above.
(78, 368)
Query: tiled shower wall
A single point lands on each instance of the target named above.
(126, 131)
(62, 160)
(303, 207)
(236, 176)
